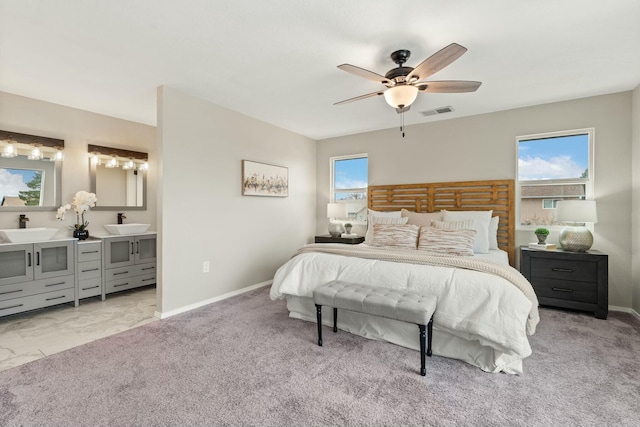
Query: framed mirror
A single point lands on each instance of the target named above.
(118, 178)
(30, 172)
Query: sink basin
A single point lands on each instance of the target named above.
(126, 228)
(25, 235)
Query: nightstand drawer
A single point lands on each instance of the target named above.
(566, 290)
(579, 271)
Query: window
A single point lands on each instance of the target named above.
(552, 167)
(550, 203)
(349, 182)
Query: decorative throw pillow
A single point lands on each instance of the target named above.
(389, 214)
(371, 220)
(396, 235)
(447, 241)
(482, 220)
(493, 232)
(422, 219)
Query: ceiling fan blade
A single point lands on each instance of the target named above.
(357, 98)
(437, 61)
(403, 110)
(361, 72)
(448, 86)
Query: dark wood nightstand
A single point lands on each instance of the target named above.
(577, 280)
(347, 240)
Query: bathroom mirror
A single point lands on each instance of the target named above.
(28, 181)
(118, 178)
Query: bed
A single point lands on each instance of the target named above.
(486, 308)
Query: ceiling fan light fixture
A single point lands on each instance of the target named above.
(401, 96)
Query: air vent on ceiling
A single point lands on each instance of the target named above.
(440, 110)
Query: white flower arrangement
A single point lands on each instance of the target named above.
(80, 204)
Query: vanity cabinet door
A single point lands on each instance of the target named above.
(119, 251)
(53, 259)
(145, 249)
(16, 263)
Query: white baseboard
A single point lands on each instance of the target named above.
(199, 304)
(625, 310)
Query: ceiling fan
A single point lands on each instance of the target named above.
(404, 83)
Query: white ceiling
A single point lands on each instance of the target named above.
(276, 60)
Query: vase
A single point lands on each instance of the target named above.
(542, 238)
(81, 234)
(347, 229)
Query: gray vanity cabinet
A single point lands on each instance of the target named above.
(129, 262)
(36, 275)
(89, 269)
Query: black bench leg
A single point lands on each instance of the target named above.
(423, 370)
(429, 335)
(335, 319)
(319, 316)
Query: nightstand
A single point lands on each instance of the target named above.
(577, 280)
(347, 240)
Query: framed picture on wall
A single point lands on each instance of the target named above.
(261, 179)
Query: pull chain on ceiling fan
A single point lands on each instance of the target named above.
(404, 83)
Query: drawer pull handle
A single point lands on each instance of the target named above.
(11, 292)
(562, 289)
(89, 252)
(51, 299)
(562, 270)
(121, 284)
(122, 272)
(54, 284)
(146, 280)
(11, 306)
(148, 268)
(91, 269)
(90, 287)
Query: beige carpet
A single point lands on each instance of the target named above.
(243, 361)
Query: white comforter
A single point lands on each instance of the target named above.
(480, 318)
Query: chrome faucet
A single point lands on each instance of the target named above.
(121, 216)
(23, 221)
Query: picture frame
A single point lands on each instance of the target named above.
(262, 179)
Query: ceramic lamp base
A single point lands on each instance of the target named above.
(336, 229)
(575, 238)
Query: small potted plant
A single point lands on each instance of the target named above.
(80, 204)
(348, 227)
(541, 233)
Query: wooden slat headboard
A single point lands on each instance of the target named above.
(496, 195)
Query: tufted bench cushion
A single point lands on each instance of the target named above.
(404, 305)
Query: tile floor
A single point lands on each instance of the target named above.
(30, 336)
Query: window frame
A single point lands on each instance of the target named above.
(332, 190)
(588, 182)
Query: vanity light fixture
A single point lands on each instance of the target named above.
(95, 160)
(10, 149)
(128, 165)
(36, 153)
(143, 166)
(112, 163)
(58, 156)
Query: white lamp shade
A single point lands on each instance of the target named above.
(576, 211)
(401, 96)
(336, 210)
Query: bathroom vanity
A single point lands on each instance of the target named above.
(129, 261)
(36, 275)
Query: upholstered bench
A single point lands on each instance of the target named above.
(404, 305)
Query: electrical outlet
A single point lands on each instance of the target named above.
(205, 267)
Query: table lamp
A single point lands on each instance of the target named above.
(575, 236)
(336, 210)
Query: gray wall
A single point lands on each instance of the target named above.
(78, 128)
(202, 215)
(483, 147)
(636, 200)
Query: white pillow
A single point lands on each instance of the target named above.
(392, 214)
(395, 235)
(368, 238)
(493, 232)
(422, 219)
(482, 220)
(454, 225)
